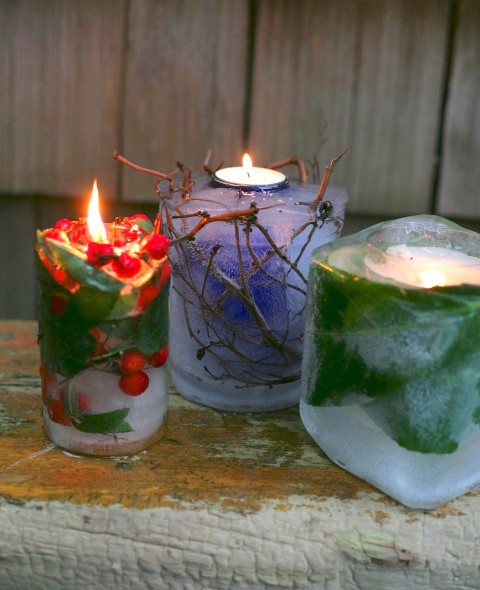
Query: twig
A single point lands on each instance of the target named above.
(325, 180)
(163, 176)
(302, 171)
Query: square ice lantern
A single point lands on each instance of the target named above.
(391, 365)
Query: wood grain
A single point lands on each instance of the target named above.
(373, 70)
(459, 192)
(60, 70)
(185, 86)
(225, 501)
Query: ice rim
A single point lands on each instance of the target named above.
(391, 373)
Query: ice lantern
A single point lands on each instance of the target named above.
(391, 365)
(239, 284)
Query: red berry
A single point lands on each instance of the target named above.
(132, 362)
(58, 304)
(134, 384)
(99, 254)
(160, 357)
(157, 246)
(126, 266)
(147, 295)
(84, 402)
(57, 234)
(47, 379)
(57, 414)
(64, 224)
(137, 216)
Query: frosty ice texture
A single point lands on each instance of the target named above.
(391, 373)
(238, 296)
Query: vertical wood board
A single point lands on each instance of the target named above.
(459, 191)
(373, 70)
(185, 89)
(304, 79)
(61, 67)
(17, 258)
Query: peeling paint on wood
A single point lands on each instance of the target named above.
(224, 501)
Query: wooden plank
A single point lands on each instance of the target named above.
(61, 66)
(17, 259)
(373, 70)
(459, 192)
(224, 501)
(185, 90)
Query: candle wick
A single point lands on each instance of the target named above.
(248, 173)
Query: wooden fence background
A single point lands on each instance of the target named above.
(398, 81)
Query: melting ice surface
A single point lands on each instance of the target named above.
(404, 409)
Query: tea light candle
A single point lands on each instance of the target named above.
(427, 266)
(249, 177)
(103, 326)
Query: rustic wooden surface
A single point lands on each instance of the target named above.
(373, 71)
(224, 501)
(459, 192)
(185, 92)
(166, 80)
(61, 95)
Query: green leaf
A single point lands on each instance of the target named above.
(106, 423)
(145, 224)
(65, 344)
(123, 305)
(91, 306)
(153, 327)
(77, 267)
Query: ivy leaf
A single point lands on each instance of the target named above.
(75, 263)
(106, 423)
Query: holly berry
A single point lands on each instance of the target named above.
(57, 414)
(57, 234)
(126, 266)
(135, 383)
(160, 357)
(147, 295)
(99, 254)
(132, 362)
(157, 246)
(63, 224)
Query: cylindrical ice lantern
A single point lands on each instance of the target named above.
(103, 329)
(391, 366)
(239, 285)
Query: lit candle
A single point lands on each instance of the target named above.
(103, 326)
(422, 266)
(249, 177)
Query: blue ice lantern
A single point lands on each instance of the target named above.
(239, 284)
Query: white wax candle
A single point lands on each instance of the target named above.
(250, 176)
(426, 266)
(263, 177)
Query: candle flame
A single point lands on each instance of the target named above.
(432, 278)
(95, 224)
(247, 164)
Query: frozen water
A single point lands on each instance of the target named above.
(236, 302)
(353, 440)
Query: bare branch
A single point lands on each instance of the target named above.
(302, 171)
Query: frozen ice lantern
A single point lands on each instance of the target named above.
(391, 366)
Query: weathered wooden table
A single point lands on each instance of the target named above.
(224, 501)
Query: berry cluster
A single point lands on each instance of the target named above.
(134, 381)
